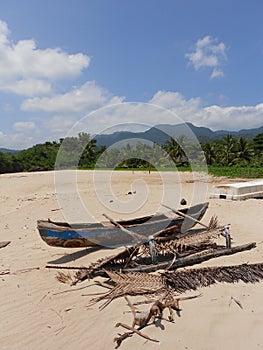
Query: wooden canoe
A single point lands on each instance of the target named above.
(62, 234)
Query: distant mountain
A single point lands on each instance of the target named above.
(6, 150)
(162, 132)
(248, 133)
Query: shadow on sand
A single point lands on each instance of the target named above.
(74, 256)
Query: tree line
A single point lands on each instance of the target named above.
(82, 151)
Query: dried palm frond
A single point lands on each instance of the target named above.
(192, 279)
(198, 238)
(188, 242)
(64, 277)
(96, 268)
(129, 257)
(133, 283)
(213, 223)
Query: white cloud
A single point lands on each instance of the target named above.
(176, 102)
(28, 61)
(164, 107)
(214, 116)
(4, 31)
(22, 63)
(28, 87)
(208, 53)
(59, 124)
(233, 117)
(84, 99)
(24, 127)
(13, 141)
(217, 73)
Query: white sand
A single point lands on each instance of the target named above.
(35, 316)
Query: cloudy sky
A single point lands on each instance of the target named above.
(98, 63)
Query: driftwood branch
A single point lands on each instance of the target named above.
(192, 260)
(4, 243)
(133, 330)
(236, 301)
(65, 267)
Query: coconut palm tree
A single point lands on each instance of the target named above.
(258, 144)
(227, 150)
(175, 148)
(244, 151)
(210, 153)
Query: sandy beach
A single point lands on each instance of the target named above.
(38, 312)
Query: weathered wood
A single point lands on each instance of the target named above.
(178, 212)
(134, 235)
(133, 330)
(4, 243)
(192, 260)
(61, 234)
(166, 230)
(137, 236)
(65, 267)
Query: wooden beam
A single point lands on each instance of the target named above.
(192, 259)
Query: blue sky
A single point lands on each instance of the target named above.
(63, 60)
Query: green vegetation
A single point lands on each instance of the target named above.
(73, 151)
(236, 171)
(230, 156)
